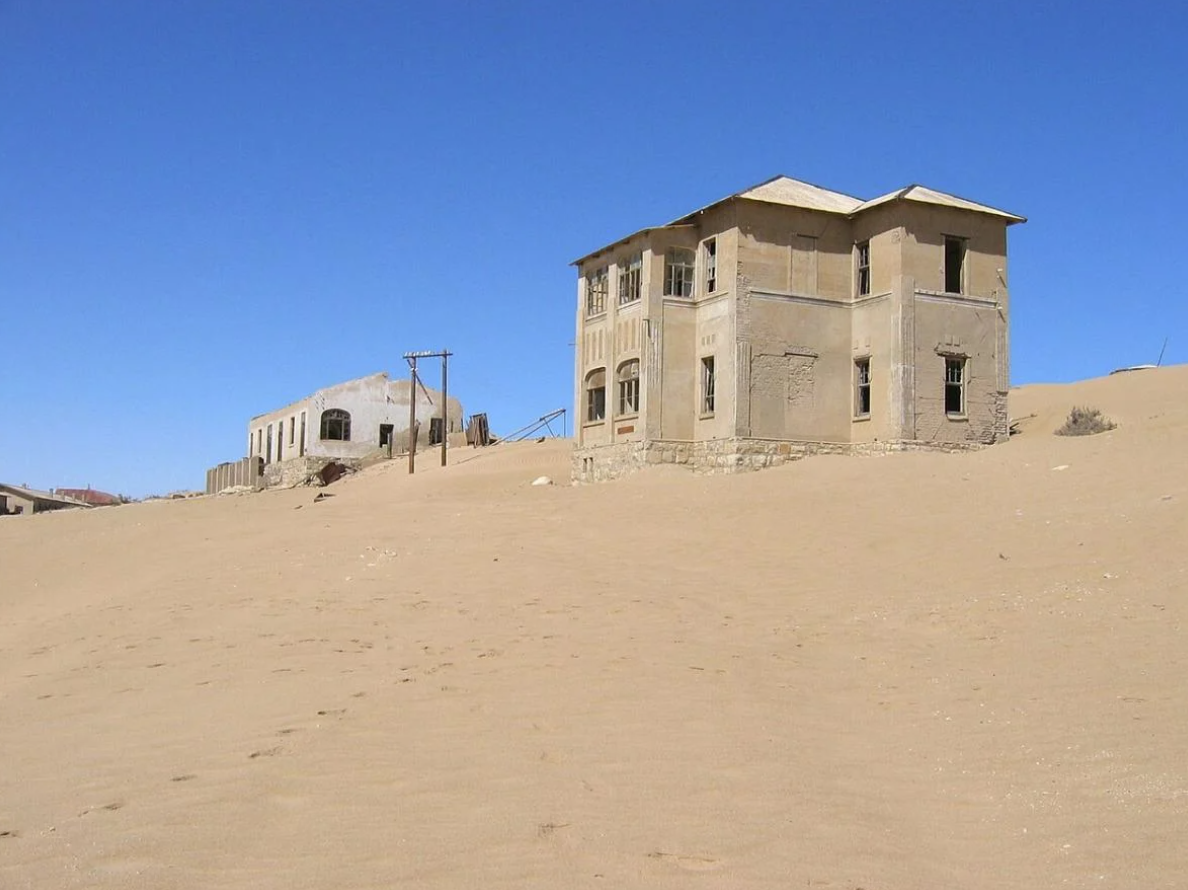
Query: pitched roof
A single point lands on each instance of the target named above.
(924, 195)
(796, 193)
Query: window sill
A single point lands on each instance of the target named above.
(631, 303)
(634, 416)
(860, 418)
(597, 316)
(706, 416)
(589, 423)
(957, 418)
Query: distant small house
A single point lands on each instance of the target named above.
(91, 496)
(17, 500)
(349, 421)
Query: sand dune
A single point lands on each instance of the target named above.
(909, 671)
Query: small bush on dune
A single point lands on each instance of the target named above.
(1085, 422)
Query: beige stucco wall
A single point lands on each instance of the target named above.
(786, 326)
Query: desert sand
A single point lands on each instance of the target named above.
(906, 671)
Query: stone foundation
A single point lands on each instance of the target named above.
(297, 470)
(601, 463)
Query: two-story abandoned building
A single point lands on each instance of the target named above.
(788, 319)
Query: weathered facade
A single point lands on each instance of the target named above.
(349, 421)
(787, 320)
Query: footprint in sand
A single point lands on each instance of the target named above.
(688, 863)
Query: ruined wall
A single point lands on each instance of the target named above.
(371, 401)
(952, 327)
(870, 338)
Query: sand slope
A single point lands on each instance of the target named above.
(909, 671)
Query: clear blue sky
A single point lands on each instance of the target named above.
(211, 208)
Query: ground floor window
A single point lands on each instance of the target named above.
(629, 387)
(708, 385)
(862, 387)
(596, 396)
(336, 425)
(955, 385)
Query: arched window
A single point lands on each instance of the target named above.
(336, 425)
(596, 396)
(629, 387)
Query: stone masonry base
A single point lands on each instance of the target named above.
(735, 455)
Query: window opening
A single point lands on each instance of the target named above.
(629, 387)
(678, 272)
(862, 387)
(336, 425)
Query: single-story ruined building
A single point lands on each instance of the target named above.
(17, 500)
(788, 319)
(350, 422)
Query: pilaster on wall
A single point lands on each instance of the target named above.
(742, 396)
(652, 409)
(742, 356)
(1002, 346)
(903, 358)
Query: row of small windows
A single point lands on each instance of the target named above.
(954, 271)
(264, 447)
(335, 427)
(954, 386)
(627, 379)
(680, 273)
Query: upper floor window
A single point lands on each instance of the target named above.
(678, 272)
(597, 285)
(862, 255)
(629, 387)
(710, 248)
(336, 425)
(596, 395)
(630, 277)
(954, 265)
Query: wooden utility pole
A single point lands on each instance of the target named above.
(412, 415)
(445, 407)
(411, 358)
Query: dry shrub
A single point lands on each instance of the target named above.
(1085, 422)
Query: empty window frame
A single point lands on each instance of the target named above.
(280, 439)
(955, 385)
(260, 441)
(862, 261)
(596, 396)
(301, 441)
(597, 287)
(336, 425)
(679, 264)
(630, 278)
(292, 429)
(708, 384)
(629, 387)
(710, 252)
(268, 441)
(862, 387)
(954, 265)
